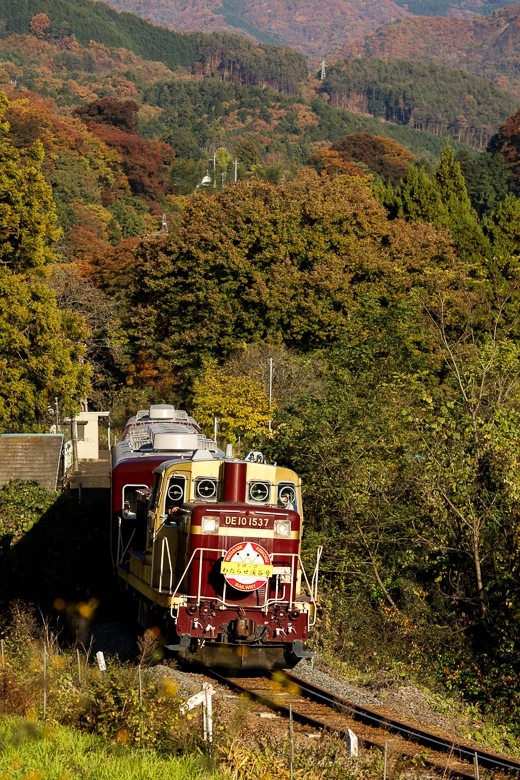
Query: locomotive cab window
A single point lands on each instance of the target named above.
(206, 489)
(259, 492)
(130, 500)
(286, 496)
(175, 496)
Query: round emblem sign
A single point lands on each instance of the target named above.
(246, 566)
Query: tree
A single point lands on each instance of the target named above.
(41, 354)
(382, 156)
(260, 262)
(110, 111)
(418, 196)
(507, 143)
(39, 25)
(246, 152)
(502, 227)
(458, 214)
(240, 403)
(28, 219)
(41, 347)
(487, 179)
(331, 163)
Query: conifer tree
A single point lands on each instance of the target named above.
(457, 213)
(502, 227)
(419, 198)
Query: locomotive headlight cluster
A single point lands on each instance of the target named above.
(282, 528)
(210, 524)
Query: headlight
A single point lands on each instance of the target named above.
(210, 525)
(282, 528)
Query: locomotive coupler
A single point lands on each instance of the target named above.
(242, 628)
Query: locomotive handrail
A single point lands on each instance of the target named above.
(294, 557)
(165, 542)
(195, 551)
(120, 558)
(314, 581)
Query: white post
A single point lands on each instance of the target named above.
(100, 658)
(291, 743)
(44, 682)
(215, 428)
(209, 713)
(475, 762)
(236, 170)
(203, 697)
(352, 743)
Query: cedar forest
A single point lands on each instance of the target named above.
(370, 245)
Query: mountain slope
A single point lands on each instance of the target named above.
(487, 46)
(314, 27)
(422, 95)
(462, 8)
(230, 56)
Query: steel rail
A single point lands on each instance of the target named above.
(465, 752)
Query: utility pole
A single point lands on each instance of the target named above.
(214, 170)
(74, 437)
(270, 390)
(57, 414)
(236, 170)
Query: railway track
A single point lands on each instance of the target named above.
(375, 727)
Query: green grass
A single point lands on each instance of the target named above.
(30, 751)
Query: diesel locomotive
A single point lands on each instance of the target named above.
(209, 546)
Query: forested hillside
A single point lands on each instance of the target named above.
(309, 26)
(486, 46)
(429, 97)
(462, 8)
(231, 56)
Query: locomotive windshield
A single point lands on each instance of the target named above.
(287, 496)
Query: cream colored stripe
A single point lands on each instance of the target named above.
(248, 533)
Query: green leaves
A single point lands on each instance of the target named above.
(41, 346)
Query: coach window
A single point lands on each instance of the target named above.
(130, 500)
(175, 496)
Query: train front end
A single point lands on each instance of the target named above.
(222, 572)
